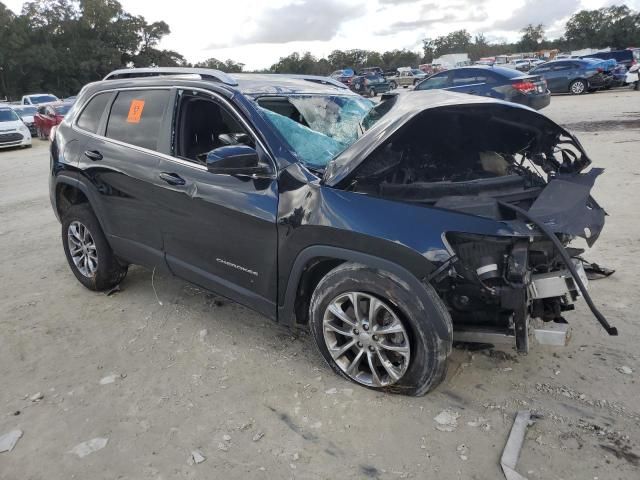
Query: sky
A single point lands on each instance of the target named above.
(257, 32)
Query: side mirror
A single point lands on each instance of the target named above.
(235, 160)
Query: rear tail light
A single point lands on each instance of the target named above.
(600, 70)
(524, 86)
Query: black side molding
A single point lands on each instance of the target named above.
(286, 311)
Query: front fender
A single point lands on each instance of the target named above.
(406, 235)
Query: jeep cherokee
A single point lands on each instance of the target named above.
(390, 229)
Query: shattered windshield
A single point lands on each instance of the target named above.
(317, 127)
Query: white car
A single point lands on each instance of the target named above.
(27, 114)
(13, 131)
(39, 98)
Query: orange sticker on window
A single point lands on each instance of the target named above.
(135, 111)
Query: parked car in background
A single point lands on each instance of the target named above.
(575, 76)
(13, 131)
(344, 76)
(406, 77)
(376, 70)
(625, 57)
(633, 77)
(370, 84)
(619, 74)
(38, 99)
(27, 114)
(496, 82)
(524, 64)
(49, 116)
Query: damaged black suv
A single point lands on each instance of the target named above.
(391, 229)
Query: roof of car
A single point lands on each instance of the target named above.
(271, 83)
(505, 71)
(247, 83)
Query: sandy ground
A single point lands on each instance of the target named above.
(256, 400)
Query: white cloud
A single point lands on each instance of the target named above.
(258, 32)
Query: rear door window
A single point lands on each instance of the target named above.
(562, 66)
(435, 82)
(137, 116)
(89, 119)
(468, 77)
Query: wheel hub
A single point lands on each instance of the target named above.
(366, 339)
(82, 249)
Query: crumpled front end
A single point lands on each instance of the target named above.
(511, 165)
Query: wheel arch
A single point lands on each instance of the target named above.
(314, 262)
(68, 192)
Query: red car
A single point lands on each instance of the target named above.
(48, 116)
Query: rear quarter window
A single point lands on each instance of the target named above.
(89, 119)
(136, 117)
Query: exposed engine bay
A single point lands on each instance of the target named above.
(509, 165)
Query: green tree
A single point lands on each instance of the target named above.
(228, 66)
(532, 38)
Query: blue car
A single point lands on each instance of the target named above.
(573, 75)
(497, 82)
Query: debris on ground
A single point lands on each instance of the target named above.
(331, 391)
(626, 370)
(203, 333)
(9, 440)
(85, 448)
(115, 289)
(447, 421)
(481, 422)
(512, 449)
(258, 436)
(223, 447)
(197, 457)
(36, 397)
(623, 452)
(111, 378)
(226, 438)
(463, 452)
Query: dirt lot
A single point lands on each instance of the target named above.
(192, 372)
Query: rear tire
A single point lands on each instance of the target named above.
(92, 260)
(578, 87)
(411, 359)
(393, 85)
(372, 92)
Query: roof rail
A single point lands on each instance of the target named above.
(204, 73)
(317, 79)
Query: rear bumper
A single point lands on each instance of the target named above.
(537, 101)
(597, 81)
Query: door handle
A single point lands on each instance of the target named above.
(93, 155)
(172, 178)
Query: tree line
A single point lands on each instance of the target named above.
(60, 45)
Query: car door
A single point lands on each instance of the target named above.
(561, 76)
(120, 163)
(467, 80)
(39, 118)
(545, 72)
(52, 118)
(434, 82)
(219, 230)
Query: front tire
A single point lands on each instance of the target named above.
(578, 87)
(372, 92)
(393, 85)
(88, 253)
(371, 330)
